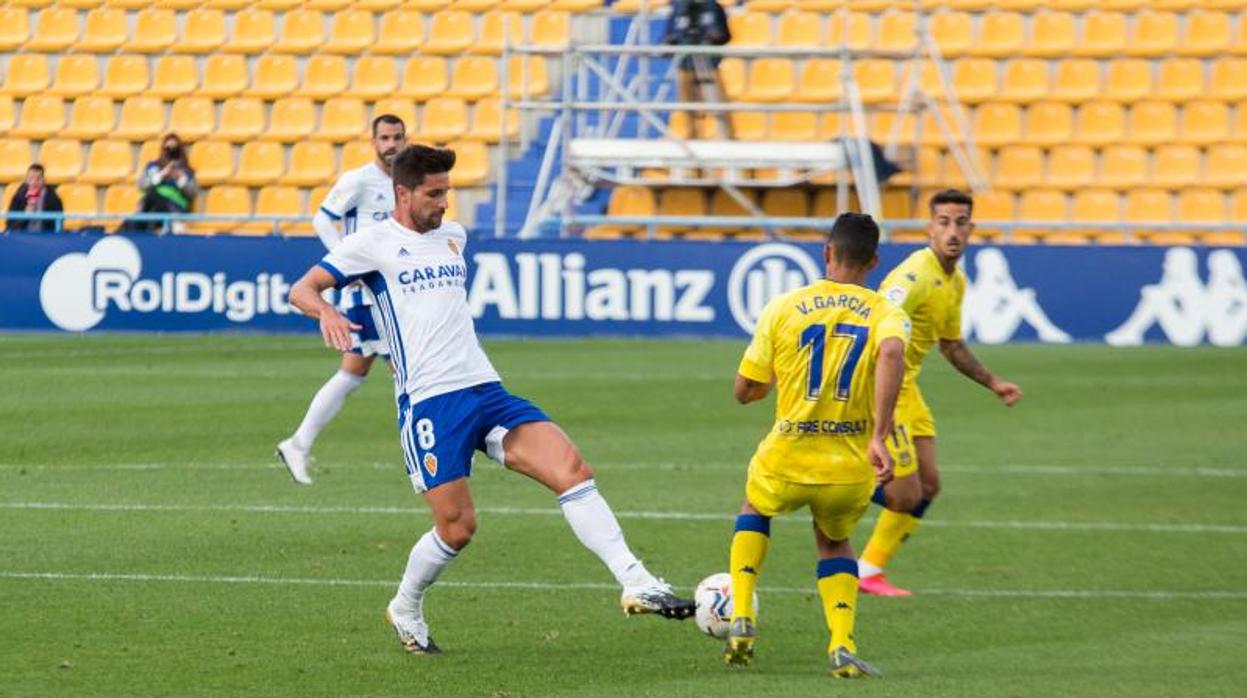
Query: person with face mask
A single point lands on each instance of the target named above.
(35, 195)
(167, 183)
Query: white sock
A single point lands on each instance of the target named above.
(866, 569)
(329, 399)
(594, 524)
(429, 556)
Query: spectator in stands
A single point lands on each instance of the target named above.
(35, 195)
(700, 23)
(167, 183)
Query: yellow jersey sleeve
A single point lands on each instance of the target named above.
(758, 363)
(903, 288)
(893, 323)
(952, 317)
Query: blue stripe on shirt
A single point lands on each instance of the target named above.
(338, 276)
(331, 214)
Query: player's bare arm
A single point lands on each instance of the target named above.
(889, 371)
(959, 355)
(306, 296)
(748, 390)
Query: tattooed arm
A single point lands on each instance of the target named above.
(959, 355)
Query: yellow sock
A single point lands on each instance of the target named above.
(837, 585)
(749, 544)
(892, 529)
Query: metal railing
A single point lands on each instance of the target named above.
(165, 223)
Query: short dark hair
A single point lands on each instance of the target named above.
(854, 239)
(35, 167)
(387, 119)
(414, 162)
(951, 196)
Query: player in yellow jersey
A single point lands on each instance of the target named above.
(929, 287)
(835, 351)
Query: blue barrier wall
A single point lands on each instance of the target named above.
(574, 288)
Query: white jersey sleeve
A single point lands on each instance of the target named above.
(350, 259)
(344, 196)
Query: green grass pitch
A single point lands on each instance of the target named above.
(1090, 542)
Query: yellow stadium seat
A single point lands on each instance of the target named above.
(342, 119)
(1238, 206)
(819, 81)
(327, 5)
(311, 163)
(528, 6)
(1152, 123)
(1100, 123)
(78, 199)
(1155, 34)
(254, 32)
(108, 162)
(1025, 80)
(527, 77)
(471, 164)
(14, 28)
(178, 4)
(75, 75)
(1052, 34)
(785, 203)
(953, 32)
(732, 74)
(1229, 78)
(61, 158)
(1175, 166)
(42, 117)
(242, 119)
(1148, 206)
(794, 126)
(8, 115)
(748, 125)
(1019, 167)
(876, 79)
(356, 154)
(292, 119)
(491, 38)
(750, 28)
(142, 118)
(1226, 166)
(824, 204)
(124, 75)
(1071, 167)
(121, 199)
(445, 119)
(1041, 206)
(15, 157)
(213, 162)
(1129, 80)
(223, 200)
(683, 201)
(975, 79)
(487, 122)
(402, 33)
(997, 124)
(1098, 206)
(474, 77)
(174, 76)
(276, 75)
(576, 5)
(897, 31)
(1103, 35)
(770, 80)
(351, 33)
(105, 30)
(225, 75)
(450, 32)
(425, 77)
(1000, 35)
(192, 117)
(1077, 80)
(634, 6)
(1180, 79)
(315, 198)
(228, 4)
(428, 5)
(625, 201)
(1207, 34)
(1236, 133)
(1201, 206)
(280, 5)
(27, 74)
(282, 201)
(993, 206)
(798, 28)
(374, 77)
(404, 109)
(302, 32)
(1123, 166)
(33, 4)
(56, 30)
(1049, 123)
(474, 5)
(155, 30)
(203, 31)
(324, 76)
(857, 37)
(260, 163)
(551, 29)
(1205, 122)
(90, 118)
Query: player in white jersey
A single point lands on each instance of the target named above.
(361, 198)
(450, 399)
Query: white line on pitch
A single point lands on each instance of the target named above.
(1039, 525)
(595, 586)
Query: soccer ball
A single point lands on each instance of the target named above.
(714, 604)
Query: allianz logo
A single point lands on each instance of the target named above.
(79, 289)
(554, 286)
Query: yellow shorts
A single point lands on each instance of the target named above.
(836, 508)
(912, 411)
(901, 446)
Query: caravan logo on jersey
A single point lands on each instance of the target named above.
(79, 289)
(763, 273)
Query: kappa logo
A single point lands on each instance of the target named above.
(430, 464)
(402, 252)
(995, 307)
(1187, 309)
(763, 273)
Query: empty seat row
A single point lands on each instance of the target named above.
(1069, 167)
(421, 77)
(324, 5)
(302, 32)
